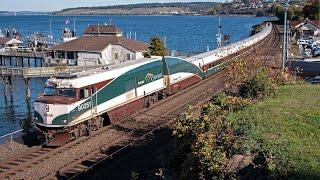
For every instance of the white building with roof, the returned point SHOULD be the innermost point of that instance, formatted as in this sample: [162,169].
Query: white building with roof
[100,45]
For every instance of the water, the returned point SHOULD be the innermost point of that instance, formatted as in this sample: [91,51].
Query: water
[188,34]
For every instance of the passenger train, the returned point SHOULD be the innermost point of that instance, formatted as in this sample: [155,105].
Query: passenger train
[74,105]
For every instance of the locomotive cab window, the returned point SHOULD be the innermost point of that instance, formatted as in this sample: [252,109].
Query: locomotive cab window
[49,91]
[66,92]
[84,93]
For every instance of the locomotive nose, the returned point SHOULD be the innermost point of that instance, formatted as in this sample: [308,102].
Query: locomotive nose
[42,113]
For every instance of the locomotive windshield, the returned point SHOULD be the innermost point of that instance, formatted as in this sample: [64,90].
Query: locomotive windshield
[49,91]
[52,91]
[66,92]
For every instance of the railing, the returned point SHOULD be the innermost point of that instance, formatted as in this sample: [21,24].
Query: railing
[24,54]
[43,71]
[8,138]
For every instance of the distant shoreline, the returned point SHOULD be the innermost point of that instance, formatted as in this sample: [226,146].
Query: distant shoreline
[155,15]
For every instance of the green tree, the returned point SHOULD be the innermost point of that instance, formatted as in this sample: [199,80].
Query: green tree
[279,12]
[156,47]
[311,10]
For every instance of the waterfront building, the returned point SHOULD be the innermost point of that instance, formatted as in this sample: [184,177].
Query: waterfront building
[306,27]
[7,43]
[100,45]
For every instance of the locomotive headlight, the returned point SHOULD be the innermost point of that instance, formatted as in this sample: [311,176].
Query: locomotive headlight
[36,119]
[64,121]
[47,108]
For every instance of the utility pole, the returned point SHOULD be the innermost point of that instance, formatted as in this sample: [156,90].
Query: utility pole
[288,39]
[74,27]
[284,48]
[50,28]
[219,36]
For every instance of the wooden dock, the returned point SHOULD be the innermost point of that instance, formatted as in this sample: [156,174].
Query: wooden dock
[26,73]
[22,59]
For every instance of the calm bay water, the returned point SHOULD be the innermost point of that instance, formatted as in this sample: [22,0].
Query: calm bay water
[188,34]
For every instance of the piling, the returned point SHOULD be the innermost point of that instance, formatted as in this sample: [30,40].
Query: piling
[27,85]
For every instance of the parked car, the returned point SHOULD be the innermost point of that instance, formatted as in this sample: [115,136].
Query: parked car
[304,42]
[307,52]
[315,45]
[316,52]
[314,80]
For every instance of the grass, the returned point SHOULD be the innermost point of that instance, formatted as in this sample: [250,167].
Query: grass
[286,126]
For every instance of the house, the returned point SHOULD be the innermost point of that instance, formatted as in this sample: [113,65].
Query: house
[9,43]
[100,45]
[306,27]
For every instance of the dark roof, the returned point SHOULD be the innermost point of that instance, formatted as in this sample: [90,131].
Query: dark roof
[4,40]
[102,29]
[99,43]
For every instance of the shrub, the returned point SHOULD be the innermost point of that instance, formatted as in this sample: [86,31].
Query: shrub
[206,140]
[230,103]
[257,87]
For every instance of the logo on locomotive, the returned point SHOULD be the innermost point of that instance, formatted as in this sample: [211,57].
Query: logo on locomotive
[151,77]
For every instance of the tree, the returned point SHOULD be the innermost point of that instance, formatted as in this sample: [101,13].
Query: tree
[279,12]
[156,47]
[311,10]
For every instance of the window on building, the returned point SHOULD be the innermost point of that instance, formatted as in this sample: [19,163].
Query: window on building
[128,56]
[116,56]
[84,93]
[60,54]
[70,55]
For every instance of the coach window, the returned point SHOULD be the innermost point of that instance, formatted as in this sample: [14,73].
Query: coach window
[116,56]
[84,93]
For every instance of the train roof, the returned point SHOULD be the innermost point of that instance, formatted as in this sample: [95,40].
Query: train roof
[114,67]
[93,76]
[224,51]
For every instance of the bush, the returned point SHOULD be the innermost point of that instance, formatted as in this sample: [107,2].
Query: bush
[230,103]
[206,140]
[257,87]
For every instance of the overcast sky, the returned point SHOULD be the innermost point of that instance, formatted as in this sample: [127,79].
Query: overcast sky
[53,5]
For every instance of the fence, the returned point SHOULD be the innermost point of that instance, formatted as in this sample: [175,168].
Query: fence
[43,71]
[23,54]
[7,139]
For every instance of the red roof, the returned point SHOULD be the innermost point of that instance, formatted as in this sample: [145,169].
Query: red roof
[99,43]
[102,29]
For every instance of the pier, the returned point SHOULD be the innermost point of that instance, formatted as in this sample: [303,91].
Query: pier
[22,59]
[6,73]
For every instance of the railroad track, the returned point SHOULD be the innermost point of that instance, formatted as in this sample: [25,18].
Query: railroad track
[68,161]
[7,166]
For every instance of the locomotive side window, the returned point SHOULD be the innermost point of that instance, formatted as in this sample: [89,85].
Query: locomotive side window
[84,93]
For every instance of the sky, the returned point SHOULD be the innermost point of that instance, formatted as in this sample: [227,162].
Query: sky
[54,5]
